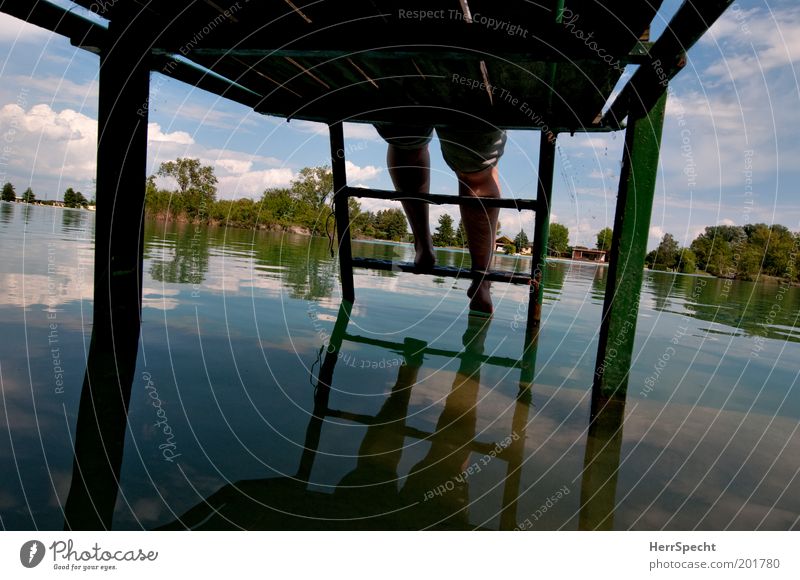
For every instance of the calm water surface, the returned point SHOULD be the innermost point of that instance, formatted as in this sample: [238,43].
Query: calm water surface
[423,425]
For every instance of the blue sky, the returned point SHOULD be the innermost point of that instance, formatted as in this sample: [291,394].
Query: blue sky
[730,151]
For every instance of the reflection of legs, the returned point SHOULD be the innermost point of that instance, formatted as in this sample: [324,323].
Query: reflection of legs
[383,444]
[410,170]
[481,226]
[382,447]
[455,429]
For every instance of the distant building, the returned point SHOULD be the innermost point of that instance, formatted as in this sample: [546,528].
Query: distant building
[588,255]
[526,251]
[501,243]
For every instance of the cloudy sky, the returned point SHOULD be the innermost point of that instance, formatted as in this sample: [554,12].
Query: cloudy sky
[730,151]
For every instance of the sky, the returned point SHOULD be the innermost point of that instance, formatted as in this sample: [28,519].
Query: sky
[730,149]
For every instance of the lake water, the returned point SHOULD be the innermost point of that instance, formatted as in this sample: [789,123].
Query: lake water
[423,425]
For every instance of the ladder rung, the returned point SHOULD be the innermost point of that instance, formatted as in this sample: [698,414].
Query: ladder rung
[518,204]
[444,271]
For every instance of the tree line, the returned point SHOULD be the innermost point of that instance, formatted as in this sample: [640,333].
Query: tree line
[736,252]
[72,198]
[726,251]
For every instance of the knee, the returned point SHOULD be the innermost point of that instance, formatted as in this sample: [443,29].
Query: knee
[480,183]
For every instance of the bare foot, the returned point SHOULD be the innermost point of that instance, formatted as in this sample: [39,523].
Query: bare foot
[480,296]
[426,257]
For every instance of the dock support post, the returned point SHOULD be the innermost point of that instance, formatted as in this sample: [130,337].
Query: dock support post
[322,392]
[121,175]
[541,233]
[342,213]
[637,184]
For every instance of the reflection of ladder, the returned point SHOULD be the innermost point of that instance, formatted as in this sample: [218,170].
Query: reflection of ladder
[541,205]
[512,454]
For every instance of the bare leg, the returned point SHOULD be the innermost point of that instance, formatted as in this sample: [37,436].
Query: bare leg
[481,226]
[411,173]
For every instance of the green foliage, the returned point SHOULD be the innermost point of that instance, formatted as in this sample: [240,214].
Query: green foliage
[521,241]
[747,252]
[390,224]
[74,198]
[604,239]
[666,256]
[461,235]
[687,264]
[509,249]
[28,196]
[444,235]
[558,239]
[197,186]
[8,193]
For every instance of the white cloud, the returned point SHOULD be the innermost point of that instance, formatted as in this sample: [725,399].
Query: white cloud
[755,41]
[156,135]
[363,131]
[365,173]
[14,30]
[234,166]
[253,183]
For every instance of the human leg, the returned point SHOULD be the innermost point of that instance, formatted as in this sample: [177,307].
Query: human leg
[410,170]
[473,153]
[480,224]
[409,164]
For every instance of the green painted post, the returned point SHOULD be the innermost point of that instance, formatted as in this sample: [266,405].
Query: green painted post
[341,211]
[541,233]
[628,248]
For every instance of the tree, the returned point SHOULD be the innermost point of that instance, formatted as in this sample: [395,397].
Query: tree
[687,263]
[444,234]
[8,193]
[197,185]
[74,198]
[28,196]
[521,240]
[559,239]
[604,239]
[391,224]
[666,255]
[509,249]
[461,235]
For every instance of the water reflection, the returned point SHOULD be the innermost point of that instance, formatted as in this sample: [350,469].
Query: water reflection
[764,309]
[372,495]
[6,212]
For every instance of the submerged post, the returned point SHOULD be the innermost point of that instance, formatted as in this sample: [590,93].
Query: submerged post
[341,210]
[121,174]
[541,232]
[637,184]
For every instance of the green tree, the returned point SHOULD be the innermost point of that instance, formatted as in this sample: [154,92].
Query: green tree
[461,235]
[521,240]
[558,239]
[687,263]
[197,185]
[28,196]
[8,193]
[604,239]
[665,256]
[509,249]
[391,224]
[718,249]
[444,235]
[311,190]
[74,198]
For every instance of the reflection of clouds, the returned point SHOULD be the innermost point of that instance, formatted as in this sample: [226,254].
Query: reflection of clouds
[660,465]
[160,299]
[29,289]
